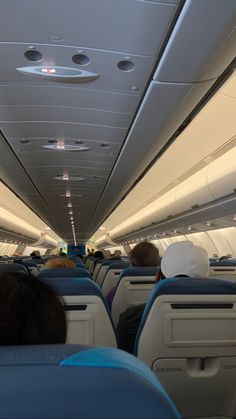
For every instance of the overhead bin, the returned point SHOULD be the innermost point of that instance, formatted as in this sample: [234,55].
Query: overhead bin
[13,224]
[164,108]
[209,193]
[202,43]
[46,242]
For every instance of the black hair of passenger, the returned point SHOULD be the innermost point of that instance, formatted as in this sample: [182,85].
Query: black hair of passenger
[30,311]
[98,254]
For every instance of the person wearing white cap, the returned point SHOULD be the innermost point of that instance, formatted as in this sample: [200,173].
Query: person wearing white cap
[185,259]
[180,259]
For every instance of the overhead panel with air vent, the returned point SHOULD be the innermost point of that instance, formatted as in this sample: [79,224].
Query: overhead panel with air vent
[72,76]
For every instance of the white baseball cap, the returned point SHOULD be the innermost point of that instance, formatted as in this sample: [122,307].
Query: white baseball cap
[185,258]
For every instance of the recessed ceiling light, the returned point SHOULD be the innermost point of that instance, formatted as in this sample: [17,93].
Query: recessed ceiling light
[208,223]
[69,178]
[25,141]
[70,212]
[189,228]
[69,205]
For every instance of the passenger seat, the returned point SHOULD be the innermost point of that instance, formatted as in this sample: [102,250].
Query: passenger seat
[78,382]
[187,336]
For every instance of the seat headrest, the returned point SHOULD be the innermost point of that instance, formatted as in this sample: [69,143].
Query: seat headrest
[13,267]
[64,272]
[74,381]
[118,265]
[73,286]
[139,271]
[224,262]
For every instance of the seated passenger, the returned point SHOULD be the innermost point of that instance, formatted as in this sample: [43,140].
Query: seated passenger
[59,263]
[35,255]
[30,312]
[98,255]
[143,254]
[180,259]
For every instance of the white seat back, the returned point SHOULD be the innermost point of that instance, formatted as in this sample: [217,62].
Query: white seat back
[223,272]
[188,338]
[101,274]
[112,276]
[88,319]
[133,289]
[97,268]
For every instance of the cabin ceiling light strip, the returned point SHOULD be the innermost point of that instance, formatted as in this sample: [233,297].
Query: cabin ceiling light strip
[59,74]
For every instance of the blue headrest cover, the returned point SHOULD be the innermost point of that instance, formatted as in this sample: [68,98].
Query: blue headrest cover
[224,262]
[185,286]
[78,382]
[73,286]
[139,271]
[64,272]
[106,262]
[13,267]
[118,265]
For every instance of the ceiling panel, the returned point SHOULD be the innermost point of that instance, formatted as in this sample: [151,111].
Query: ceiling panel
[60,114]
[107,24]
[102,63]
[62,129]
[69,95]
[119,40]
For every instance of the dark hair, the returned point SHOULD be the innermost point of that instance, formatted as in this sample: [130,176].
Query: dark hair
[30,311]
[144,254]
[98,254]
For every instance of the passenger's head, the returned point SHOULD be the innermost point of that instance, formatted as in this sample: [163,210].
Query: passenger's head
[185,258]
[98,254]
[30,311]
[144,254]
[106,253]
[59,263]
[35,255]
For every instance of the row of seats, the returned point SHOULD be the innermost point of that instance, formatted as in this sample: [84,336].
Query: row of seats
[187,337]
